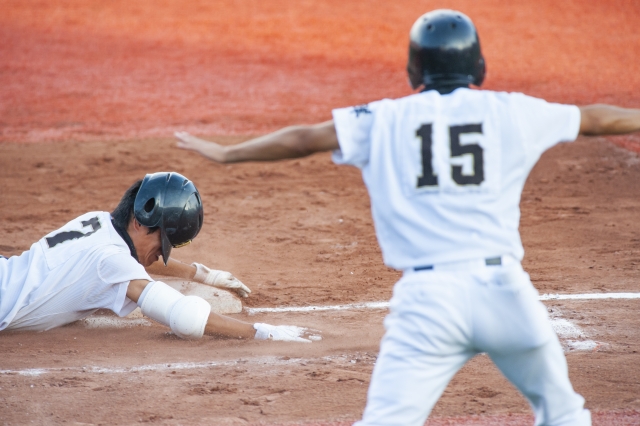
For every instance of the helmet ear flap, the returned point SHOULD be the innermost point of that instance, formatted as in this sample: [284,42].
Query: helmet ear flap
[150,205]
[148,210]
[147,207]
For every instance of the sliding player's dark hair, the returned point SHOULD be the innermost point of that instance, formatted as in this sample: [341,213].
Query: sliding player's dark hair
[123,213]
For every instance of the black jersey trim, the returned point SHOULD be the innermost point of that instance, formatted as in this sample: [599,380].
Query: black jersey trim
[127,239]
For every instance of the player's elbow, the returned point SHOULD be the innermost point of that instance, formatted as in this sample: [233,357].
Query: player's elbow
[224,157]
[592,121]
[302,142]
[590,127]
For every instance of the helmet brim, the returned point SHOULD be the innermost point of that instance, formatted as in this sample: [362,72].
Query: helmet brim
[166,246]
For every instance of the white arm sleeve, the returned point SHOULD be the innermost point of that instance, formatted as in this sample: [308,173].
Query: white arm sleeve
[157,300]
[186,315]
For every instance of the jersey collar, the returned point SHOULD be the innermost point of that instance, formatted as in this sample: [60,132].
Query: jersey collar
[445,89]
[127,239]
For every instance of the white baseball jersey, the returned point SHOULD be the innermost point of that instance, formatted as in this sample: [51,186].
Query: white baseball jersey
[67,275]
[445,172]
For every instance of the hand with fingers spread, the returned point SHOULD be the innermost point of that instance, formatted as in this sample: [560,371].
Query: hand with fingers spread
[285,333]
[220,279]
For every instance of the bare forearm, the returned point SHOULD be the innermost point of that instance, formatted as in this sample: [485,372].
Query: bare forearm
[608,120]
[222,326]
[290,142]
[174,268]
[285,143]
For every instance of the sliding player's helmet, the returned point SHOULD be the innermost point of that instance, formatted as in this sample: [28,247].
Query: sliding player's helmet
[171,202]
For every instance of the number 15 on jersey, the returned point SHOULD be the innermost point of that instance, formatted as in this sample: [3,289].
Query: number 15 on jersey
[455,159]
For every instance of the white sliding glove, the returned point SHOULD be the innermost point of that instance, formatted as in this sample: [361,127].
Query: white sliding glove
[285,333]
[220,279]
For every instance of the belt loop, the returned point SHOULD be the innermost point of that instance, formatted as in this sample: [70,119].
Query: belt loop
[423,268]
[463,264]
[493,261]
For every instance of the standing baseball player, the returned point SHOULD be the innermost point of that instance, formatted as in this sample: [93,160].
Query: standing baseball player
[445,169]
[98,261]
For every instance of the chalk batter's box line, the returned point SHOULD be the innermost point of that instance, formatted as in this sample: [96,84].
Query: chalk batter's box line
[385,305]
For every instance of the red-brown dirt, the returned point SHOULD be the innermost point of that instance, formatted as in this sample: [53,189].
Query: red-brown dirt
[111,70]
[97,88]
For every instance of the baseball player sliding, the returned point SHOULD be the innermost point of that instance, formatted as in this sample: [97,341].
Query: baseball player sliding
[445,169]
[98,261]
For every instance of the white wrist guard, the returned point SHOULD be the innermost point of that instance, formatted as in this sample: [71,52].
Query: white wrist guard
[186,315]
[220,279]
[203,274]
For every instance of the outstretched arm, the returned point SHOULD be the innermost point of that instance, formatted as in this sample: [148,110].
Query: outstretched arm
[608,120]
[163,304]
[200,273]
[217,325]
[174,268]
[290,142]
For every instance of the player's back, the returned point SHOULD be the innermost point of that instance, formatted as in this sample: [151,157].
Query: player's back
[445,172]
[63,276]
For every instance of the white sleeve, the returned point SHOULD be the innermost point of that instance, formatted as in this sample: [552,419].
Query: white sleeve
[118,270]
[353,127]
[545,124]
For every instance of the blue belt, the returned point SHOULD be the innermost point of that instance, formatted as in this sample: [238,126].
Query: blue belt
[490,261]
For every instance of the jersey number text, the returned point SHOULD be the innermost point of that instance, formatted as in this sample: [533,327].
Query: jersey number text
[428,177]
[72,235]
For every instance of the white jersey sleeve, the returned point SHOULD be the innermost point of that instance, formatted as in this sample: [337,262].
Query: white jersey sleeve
[544,124]
[353,127]
[118,270]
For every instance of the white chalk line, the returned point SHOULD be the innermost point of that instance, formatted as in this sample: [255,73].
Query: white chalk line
[573,338]
[385,305]
[368,305]
[114,322]
[564,328]
[174,366]
[590,296]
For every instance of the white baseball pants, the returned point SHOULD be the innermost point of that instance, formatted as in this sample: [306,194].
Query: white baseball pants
[441,318]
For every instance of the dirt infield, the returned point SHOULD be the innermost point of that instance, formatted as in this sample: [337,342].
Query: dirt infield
[296,245]
[89,95]
[81,70]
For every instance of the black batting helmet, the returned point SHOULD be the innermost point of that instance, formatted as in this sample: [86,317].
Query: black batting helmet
[171,202]
[444,50]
